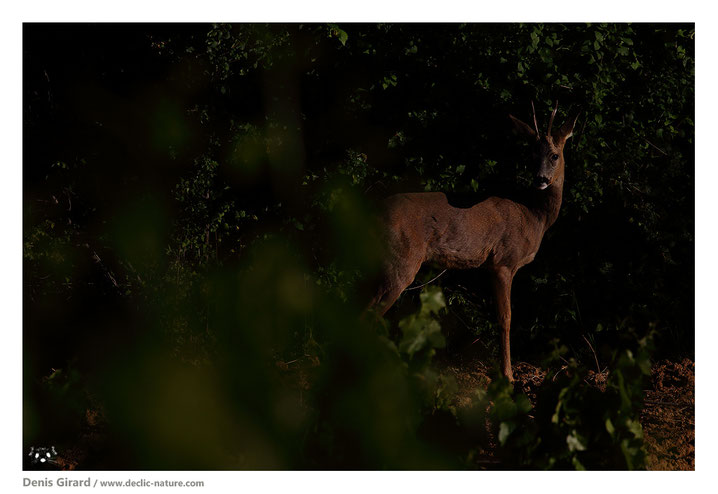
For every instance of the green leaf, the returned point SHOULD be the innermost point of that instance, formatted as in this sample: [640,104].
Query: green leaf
[432,300]
[634,426]
[505,431]
[575,442]
[609,427]
[523,404]
[419,334]
[336,32]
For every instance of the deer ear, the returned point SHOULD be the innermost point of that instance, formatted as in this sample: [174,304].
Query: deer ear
[566,129]
[522,128]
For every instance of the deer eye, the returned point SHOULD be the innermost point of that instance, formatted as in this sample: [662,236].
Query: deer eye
[554,157]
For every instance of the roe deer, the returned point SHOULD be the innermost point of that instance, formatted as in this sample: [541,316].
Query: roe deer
[498,234]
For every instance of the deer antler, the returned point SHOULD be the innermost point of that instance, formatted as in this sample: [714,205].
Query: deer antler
[550,122]
[535,124]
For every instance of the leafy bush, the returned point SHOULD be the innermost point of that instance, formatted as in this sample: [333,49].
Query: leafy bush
[575,424]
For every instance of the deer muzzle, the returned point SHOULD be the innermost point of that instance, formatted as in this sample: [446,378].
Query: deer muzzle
[541,182]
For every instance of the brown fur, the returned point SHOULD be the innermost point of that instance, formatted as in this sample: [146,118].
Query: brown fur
[497,234]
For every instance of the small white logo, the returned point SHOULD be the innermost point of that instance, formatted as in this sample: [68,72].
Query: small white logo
[42,455]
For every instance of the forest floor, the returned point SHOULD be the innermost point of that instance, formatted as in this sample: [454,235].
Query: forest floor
[668,415]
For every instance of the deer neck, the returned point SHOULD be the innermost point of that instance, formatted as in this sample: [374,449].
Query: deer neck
[547,203]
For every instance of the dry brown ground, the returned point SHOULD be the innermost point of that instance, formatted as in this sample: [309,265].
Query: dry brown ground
[668,415]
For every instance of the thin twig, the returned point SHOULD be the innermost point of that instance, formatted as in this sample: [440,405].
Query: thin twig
[97,260]
[656,147]
[479,341]
[598,367]
[431,280]
[563,368]
[372,185]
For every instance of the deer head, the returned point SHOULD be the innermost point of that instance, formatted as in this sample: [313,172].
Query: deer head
[547,155]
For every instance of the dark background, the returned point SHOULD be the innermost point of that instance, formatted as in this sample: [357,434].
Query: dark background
[196,203]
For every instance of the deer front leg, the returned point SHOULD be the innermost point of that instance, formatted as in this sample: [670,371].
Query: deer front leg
[502,279]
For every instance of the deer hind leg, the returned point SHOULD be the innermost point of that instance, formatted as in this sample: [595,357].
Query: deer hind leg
[397,276]
[502,279]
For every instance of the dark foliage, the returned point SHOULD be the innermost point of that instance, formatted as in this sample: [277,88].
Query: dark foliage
[196,206]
